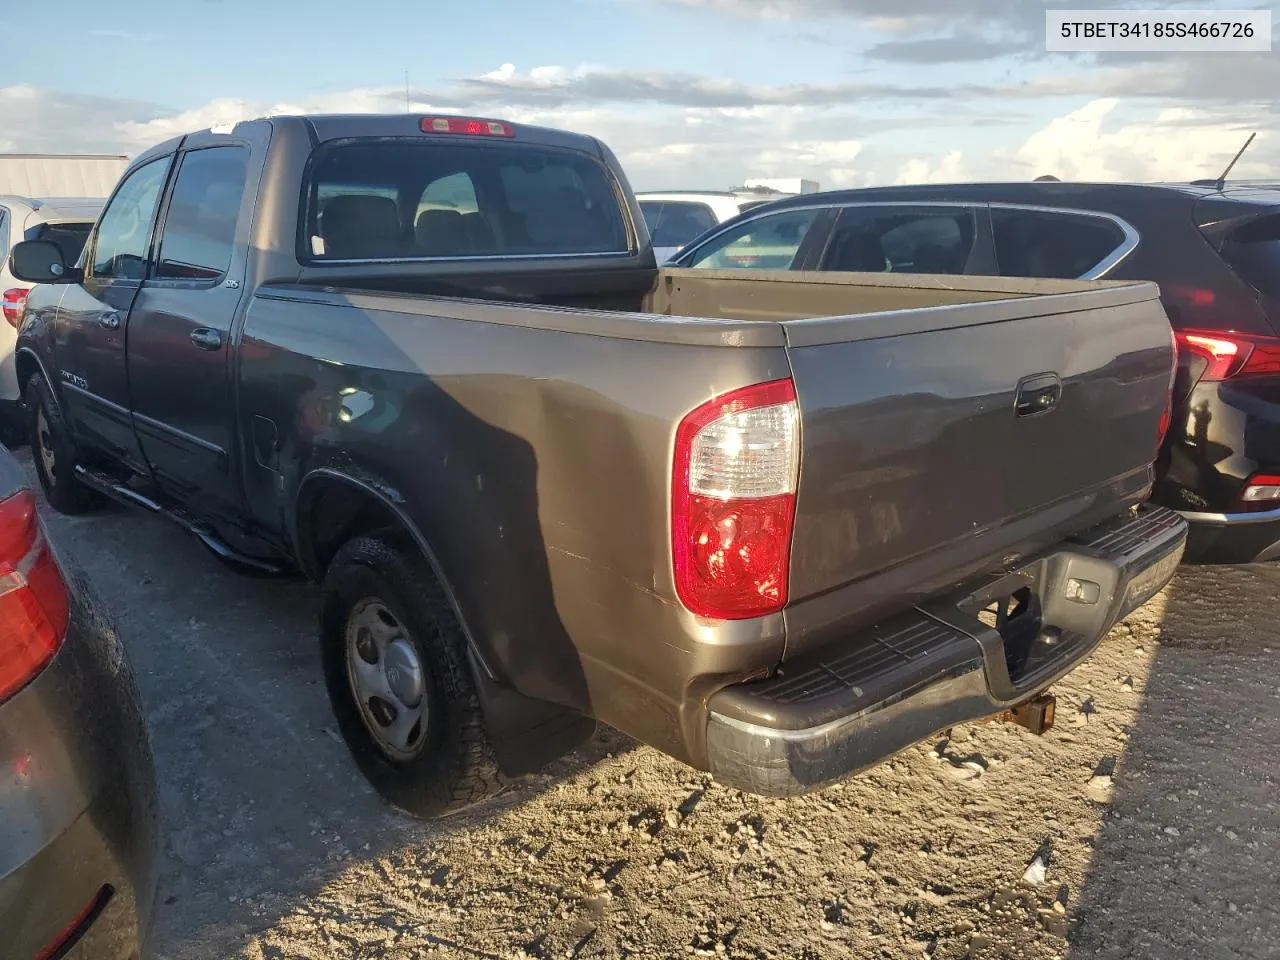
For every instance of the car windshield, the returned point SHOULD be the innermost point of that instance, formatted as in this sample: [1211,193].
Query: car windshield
[406,199]
[675,223]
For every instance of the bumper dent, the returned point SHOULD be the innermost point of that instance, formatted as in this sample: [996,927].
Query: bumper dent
[846,708]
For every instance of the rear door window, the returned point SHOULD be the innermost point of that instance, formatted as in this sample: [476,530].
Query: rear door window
[938,240]
[675,223]
[769,243]
[200,229]
[1052,244]
[406,200]
[1253,252]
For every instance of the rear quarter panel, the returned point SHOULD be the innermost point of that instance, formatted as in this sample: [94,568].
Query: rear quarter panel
[535,463]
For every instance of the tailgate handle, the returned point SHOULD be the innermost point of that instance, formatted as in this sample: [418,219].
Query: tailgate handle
[1037,395]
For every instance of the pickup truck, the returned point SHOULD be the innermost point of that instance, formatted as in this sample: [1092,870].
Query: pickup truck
[778,525]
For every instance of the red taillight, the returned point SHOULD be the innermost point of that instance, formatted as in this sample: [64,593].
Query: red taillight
[466,127]
[1261,492]
[33,596]
[733,488]
[1230,355]
[14,305]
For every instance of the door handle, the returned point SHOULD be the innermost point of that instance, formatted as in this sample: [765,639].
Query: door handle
[206,339]
[1037,395]
[109,319]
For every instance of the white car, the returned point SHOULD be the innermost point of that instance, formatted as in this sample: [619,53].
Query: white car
[66,222]
[677,217]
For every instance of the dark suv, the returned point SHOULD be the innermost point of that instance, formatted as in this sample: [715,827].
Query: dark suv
[1215,254]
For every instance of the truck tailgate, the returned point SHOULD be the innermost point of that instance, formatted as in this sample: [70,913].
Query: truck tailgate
[946,442]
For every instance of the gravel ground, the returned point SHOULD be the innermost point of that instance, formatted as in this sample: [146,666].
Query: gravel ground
[1153,804]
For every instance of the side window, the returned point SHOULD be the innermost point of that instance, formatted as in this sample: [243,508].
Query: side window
[902,240]
[124,230]
[4,237]
[770,243]
[1063,246]
[200,229]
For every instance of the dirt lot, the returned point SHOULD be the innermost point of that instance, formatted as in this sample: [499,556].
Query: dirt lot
[1155,797]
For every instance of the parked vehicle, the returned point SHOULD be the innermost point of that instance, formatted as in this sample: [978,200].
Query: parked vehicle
[66,223]
[675,218]
[78,813]
[751,519]
[1215,254]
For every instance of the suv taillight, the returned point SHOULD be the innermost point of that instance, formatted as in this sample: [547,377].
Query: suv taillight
[33,596]
[1261,492]
[736,465]
[1230,355]
[14,305]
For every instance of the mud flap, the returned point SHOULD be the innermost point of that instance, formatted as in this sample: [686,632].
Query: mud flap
[527,734]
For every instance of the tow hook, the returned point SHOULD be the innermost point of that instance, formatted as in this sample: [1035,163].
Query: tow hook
[1035,714]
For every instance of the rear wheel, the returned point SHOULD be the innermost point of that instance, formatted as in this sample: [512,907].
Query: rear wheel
[399,680]
[53,452]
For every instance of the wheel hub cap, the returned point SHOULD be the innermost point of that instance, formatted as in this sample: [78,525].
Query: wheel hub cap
[45,444]
[388,680]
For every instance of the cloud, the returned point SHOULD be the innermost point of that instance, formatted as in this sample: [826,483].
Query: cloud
[690,131]
[960,48]
[555,86]
[1177,144]
[944,30]
[950,169]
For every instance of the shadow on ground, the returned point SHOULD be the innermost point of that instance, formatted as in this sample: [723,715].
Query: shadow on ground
[262,805]
[1184,864]
[277,848]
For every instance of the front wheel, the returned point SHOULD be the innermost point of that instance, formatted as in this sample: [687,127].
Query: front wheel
[399,681]
[53,452]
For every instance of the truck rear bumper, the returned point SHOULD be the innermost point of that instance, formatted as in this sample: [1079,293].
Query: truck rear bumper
[846,707]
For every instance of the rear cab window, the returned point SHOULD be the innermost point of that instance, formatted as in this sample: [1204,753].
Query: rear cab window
[402,199]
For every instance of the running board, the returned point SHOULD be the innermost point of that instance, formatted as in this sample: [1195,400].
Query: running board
[121,493]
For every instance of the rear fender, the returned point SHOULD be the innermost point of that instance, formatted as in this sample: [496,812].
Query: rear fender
[526,733]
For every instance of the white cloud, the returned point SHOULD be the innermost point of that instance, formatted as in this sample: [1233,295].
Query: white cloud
[1174,144]
[950,168]
[672,146]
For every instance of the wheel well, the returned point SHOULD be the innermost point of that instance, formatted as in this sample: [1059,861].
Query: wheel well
[331,512]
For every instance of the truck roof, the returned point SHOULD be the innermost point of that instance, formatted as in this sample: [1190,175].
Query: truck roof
[338,126]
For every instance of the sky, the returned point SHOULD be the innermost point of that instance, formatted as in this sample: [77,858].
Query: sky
[691,94]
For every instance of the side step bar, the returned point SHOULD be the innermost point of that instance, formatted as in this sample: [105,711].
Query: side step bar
[122,493]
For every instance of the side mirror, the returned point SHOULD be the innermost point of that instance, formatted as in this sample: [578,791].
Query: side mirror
[40,261]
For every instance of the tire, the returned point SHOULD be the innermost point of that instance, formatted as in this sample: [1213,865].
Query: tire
[53,452]
[382,599]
